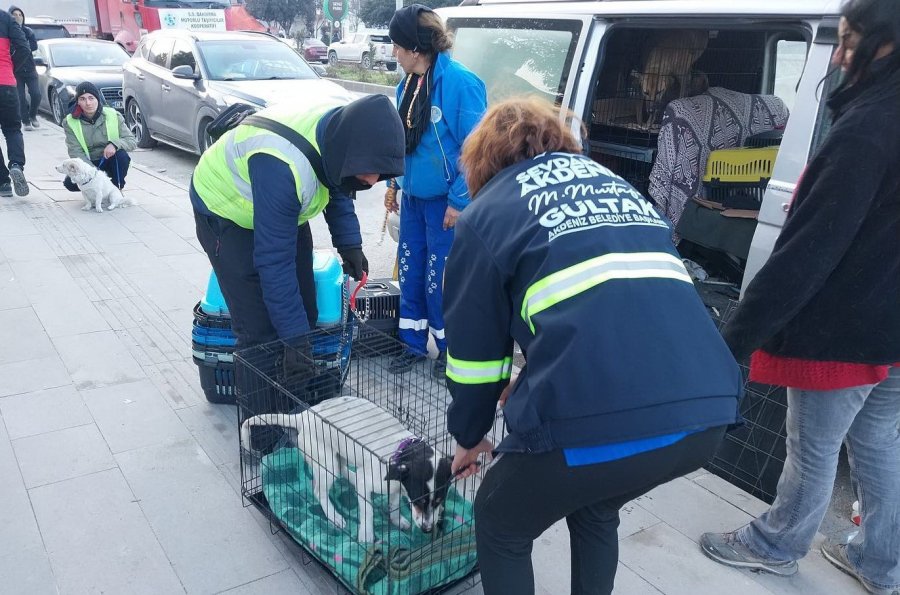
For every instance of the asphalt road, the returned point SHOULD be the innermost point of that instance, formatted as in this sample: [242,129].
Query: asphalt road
[380,251]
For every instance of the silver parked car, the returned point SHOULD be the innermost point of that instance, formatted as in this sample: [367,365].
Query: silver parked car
[178,81]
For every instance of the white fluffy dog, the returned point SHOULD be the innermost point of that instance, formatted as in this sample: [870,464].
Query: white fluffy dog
[95,185]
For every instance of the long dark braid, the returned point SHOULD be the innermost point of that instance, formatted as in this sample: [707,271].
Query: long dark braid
[415,108]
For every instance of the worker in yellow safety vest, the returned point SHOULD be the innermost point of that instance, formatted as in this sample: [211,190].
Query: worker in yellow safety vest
[98,134]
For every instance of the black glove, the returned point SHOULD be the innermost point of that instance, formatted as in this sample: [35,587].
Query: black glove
[298,365]
[355,263]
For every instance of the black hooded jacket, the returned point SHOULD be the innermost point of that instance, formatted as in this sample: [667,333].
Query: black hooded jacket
[831,289]
[12,43]
[348,135]
[23,62]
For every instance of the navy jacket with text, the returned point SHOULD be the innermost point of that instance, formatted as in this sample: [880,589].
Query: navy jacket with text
[565,258]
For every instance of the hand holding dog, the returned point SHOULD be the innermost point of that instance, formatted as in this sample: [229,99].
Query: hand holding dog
[109,151]
[464,460]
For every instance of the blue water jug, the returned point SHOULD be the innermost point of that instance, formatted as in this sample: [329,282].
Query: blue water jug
[213,302]
[329,287]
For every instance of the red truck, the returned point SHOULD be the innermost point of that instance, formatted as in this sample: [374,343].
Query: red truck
[125,21]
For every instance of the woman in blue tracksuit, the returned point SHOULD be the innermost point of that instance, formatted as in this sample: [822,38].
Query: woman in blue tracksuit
[440,102]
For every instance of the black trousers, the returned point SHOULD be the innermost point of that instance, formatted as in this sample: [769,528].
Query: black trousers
[28,111]
[116,168]
[11,126]
[230,251]
[524,494]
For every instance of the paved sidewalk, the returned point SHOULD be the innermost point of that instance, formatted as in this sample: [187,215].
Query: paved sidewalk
[118,477]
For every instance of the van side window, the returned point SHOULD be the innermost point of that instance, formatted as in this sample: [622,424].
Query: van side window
[790,58]
[517,56]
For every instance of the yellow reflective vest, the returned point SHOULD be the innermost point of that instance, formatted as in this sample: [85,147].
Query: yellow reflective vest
[222,178]
[111,117]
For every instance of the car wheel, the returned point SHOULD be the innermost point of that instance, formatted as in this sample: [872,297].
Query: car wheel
[391,66]
[366,62]
[59,111]
[332,58]
[135,120]
[204,140]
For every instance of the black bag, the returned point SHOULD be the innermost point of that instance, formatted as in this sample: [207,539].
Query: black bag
[232,116]
[242,113]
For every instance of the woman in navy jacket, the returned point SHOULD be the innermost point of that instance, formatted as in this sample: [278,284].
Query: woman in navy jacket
[563,257]
[440,102]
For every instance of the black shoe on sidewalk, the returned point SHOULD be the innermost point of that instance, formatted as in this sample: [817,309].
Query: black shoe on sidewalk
[404,362]
[17,177]
[6,190]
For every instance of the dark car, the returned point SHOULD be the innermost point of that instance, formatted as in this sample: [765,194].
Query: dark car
[46,28]
[64,63]
[314,50]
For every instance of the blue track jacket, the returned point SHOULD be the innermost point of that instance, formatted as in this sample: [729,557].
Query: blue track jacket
[458,101]
[565,258]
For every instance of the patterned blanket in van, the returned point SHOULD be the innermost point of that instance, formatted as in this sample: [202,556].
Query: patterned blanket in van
[694,126]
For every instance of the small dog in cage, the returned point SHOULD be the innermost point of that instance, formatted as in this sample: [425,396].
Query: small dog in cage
[666,71]
[414,470]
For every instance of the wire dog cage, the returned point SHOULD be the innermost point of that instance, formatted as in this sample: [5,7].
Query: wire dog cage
[361,480]
[752,455]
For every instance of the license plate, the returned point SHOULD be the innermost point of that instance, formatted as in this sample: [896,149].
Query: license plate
[117,104]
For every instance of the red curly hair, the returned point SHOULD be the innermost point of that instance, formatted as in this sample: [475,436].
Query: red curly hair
[512,131]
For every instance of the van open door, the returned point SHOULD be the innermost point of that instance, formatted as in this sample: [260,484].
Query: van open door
[805,129]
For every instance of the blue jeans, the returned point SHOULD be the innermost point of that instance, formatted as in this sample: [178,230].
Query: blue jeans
[868,419]
[424,246]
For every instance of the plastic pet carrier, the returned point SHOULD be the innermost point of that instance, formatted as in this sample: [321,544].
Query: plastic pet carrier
[327,474]
[212,347]
[213,342]
[752,455]
[378,307]
[737,178]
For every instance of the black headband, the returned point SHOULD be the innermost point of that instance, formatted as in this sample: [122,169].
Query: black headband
[406,32]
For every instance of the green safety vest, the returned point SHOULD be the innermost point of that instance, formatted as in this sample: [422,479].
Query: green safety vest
[112,128]
[222,177]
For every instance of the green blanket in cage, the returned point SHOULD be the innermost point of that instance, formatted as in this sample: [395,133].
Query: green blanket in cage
[401,563]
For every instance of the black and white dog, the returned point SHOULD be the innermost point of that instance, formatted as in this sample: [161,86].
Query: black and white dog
[325,436]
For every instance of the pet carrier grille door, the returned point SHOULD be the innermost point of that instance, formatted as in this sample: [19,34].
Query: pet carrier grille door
[360,480]
[752,456]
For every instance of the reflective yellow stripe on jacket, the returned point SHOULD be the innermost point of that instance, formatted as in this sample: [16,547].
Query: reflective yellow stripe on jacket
[111,119]
[578,278]
[478,372]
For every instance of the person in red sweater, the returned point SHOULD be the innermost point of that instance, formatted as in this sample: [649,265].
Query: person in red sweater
[13,49]
[822,318]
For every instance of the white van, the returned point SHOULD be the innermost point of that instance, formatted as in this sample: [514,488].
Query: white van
[740,74]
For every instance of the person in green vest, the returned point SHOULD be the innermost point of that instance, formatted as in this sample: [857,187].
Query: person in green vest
[98,134]
[254,192]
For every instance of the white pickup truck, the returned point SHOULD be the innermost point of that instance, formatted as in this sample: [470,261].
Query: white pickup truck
[366,48]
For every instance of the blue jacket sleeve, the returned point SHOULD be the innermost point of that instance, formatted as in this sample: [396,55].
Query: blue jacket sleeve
[342,222]
[276,209]
[468,102]
[477,315]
